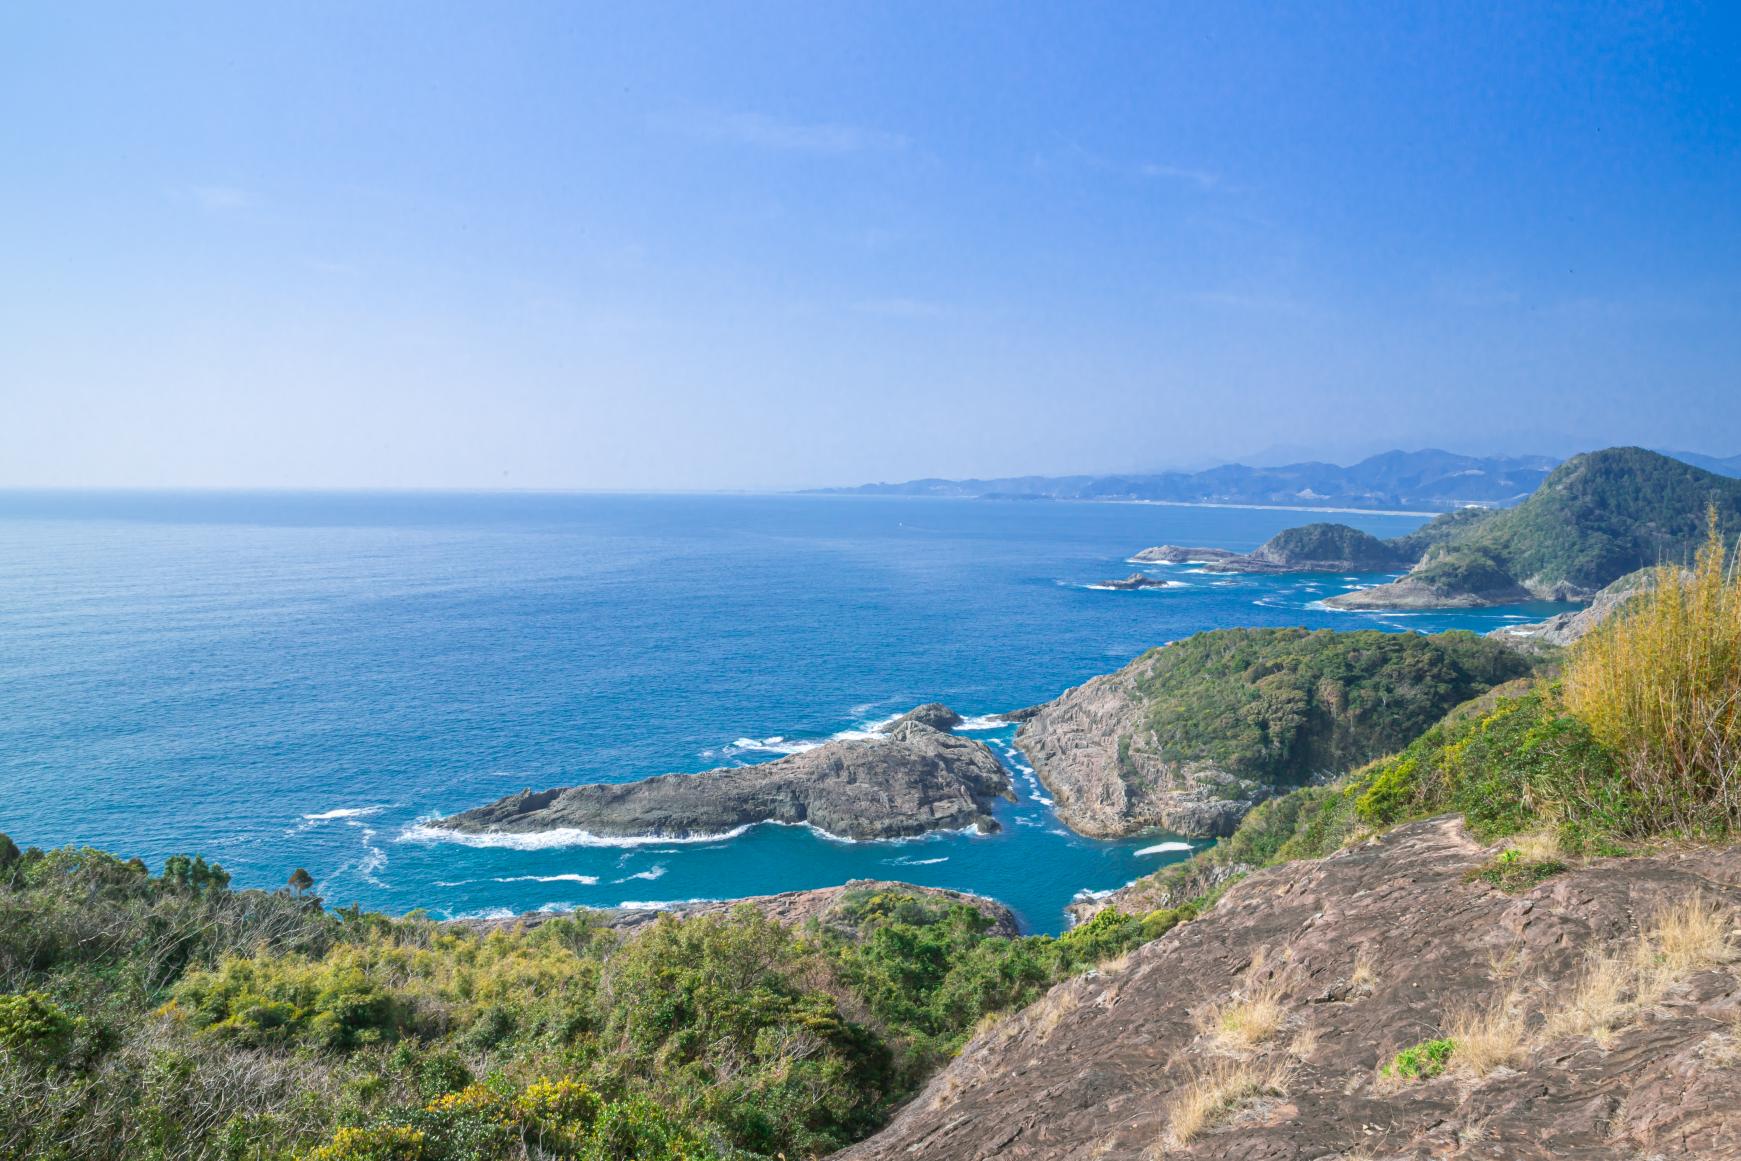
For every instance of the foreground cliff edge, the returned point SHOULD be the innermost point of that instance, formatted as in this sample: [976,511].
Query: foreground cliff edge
[1264,1028]
[910,779]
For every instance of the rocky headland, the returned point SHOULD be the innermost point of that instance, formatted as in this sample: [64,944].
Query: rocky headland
[1188,738]
[1597,518]
[912,779]
[1271,1027]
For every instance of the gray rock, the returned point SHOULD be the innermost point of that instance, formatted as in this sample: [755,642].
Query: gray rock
[933,713]
[909,781]
[1108,773]
[1174,554]
[1138,580]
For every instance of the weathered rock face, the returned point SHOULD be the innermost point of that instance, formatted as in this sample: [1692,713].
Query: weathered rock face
[1566,628]
[794,908]
[1174,554]
[933,713]
[1368,952]
[912,780]
[1094,751]
[1425,591]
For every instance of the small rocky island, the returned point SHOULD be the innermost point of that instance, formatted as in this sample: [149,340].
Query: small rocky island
[1135,581]
[910,779]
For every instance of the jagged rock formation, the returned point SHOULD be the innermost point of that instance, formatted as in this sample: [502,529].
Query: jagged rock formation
[1566,628]
[1363,954]
[1109,776]
[1190,737]
[795,908]
[911,780]
[933,713]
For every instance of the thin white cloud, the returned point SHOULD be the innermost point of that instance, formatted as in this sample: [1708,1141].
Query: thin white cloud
[220,199]
[915,308]
[758,131]
[1201,178]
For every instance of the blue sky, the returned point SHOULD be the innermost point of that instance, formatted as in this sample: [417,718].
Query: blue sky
[768,245]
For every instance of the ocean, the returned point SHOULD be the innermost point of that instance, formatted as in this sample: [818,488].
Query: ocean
[276,680]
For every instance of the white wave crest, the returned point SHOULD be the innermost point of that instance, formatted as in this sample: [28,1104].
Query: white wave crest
[983,722]
[906,862]
[659,904]
[584,880]
[344,812]
[649,875]
[1164,848]
[566,836]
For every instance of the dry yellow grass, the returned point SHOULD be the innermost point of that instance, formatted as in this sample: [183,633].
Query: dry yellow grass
[1051,1011]
[1600,1001]
[1304,1043]
[1660,683]
[1536,847]
[1364,977]
[1684,938]
[1248,1022]
[1691,936]
[1214,1095]
[1488,1037]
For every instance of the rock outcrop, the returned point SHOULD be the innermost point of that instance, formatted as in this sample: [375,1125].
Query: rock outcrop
[1137,580]
[1566,628]
[1173,554]
[933,713]
[1283,1003]
[1190,737]
[909,781]
[1109,775]
[825,905]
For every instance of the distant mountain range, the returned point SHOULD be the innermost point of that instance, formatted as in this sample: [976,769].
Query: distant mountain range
[1429,480]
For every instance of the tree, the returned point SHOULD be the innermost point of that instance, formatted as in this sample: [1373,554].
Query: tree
[300,880]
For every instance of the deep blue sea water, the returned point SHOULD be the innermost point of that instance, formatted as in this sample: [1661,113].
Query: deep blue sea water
[283,680]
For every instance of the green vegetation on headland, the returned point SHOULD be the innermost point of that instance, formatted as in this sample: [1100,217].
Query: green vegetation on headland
[1598,517]
[170,1016]
[1280,705]
[1638,741]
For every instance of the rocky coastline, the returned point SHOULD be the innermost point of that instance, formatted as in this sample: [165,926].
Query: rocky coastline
[909,780]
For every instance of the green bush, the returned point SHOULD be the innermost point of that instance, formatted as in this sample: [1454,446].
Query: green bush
[34,1028]
[1421,1062]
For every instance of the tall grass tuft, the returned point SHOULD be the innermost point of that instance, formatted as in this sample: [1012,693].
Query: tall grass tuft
[1660,684]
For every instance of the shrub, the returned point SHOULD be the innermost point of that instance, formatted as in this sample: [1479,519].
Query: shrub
[34,1028]
[1424,1060]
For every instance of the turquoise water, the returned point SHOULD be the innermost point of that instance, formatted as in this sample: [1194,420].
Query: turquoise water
[283,680]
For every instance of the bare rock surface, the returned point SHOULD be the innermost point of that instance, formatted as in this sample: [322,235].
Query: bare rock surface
[1108,774]
[910,780]
[1175,554]
[1365,953]
[1566,628]
[825,905]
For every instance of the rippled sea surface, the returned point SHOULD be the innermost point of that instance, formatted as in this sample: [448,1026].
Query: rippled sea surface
[283,680]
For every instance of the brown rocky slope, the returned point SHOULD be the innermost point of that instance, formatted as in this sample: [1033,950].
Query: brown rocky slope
[1307,978]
